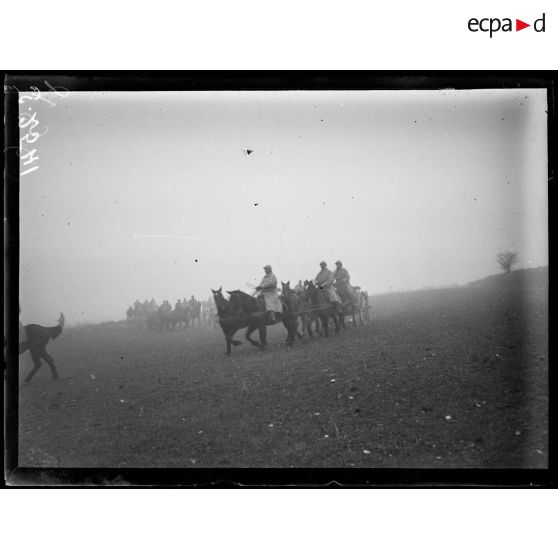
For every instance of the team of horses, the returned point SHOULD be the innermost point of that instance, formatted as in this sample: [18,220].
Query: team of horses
[308,311]
[301,311]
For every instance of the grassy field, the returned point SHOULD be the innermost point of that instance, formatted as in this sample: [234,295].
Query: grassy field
[444,378]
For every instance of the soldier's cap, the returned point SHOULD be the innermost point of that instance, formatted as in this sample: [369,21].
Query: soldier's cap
[338,262]
[267,266]
[322,263]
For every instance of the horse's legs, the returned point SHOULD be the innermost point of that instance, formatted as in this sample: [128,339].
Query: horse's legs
[289,333]
[296,332]
[50,361]
[336,320]
[263,336]
[308,322]
[250,330]
[292,331]
[325,319]
[36,365]
[229,339]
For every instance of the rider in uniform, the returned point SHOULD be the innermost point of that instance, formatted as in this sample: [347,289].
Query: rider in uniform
[268,291]
[342,283]
[324,280]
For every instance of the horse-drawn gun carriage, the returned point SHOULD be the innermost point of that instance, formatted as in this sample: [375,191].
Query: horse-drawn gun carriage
[300,312]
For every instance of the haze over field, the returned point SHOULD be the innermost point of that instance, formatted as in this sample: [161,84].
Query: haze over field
[151,194]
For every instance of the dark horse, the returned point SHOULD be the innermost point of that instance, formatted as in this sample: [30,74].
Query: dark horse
[293,309]
[239,312]
[37,338]
[322,308]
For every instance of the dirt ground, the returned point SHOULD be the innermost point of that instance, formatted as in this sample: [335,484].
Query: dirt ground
[445,378]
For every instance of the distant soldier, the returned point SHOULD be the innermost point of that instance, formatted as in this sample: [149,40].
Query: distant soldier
[195,310]
[299,288]
[324,280]
[130,314]
[268,291]
[342,283]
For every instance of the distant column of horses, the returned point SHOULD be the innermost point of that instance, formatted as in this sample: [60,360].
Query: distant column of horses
[307,311]
[154,317]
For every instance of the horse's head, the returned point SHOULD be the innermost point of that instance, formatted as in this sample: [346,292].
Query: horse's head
[221,302]
[311,292]
[286,287]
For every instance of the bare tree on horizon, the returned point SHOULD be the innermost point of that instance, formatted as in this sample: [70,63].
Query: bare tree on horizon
[506,260]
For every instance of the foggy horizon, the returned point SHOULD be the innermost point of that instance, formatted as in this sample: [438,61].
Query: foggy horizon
[153,195]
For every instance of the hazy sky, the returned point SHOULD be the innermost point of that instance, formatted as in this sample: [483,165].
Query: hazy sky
[149,194]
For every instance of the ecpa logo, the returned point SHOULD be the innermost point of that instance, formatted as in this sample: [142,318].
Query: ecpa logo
[492,25]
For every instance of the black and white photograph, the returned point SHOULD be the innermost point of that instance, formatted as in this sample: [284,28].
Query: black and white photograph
[284,278]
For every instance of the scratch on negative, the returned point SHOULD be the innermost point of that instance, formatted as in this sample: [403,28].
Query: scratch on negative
[137,235]
[335,426]
[176,236]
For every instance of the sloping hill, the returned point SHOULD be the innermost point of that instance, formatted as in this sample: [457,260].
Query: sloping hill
[533,280]
[441,378]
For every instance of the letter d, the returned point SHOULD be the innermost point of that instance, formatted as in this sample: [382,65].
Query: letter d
[535,25]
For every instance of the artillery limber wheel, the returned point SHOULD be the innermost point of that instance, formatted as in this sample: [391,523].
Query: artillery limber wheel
[363,305]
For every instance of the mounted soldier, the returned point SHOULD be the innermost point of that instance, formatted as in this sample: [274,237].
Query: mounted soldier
[267,290]
[343,285]
[324,280]
[194,308]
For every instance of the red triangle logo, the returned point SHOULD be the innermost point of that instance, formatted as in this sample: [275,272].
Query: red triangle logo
[519,25]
